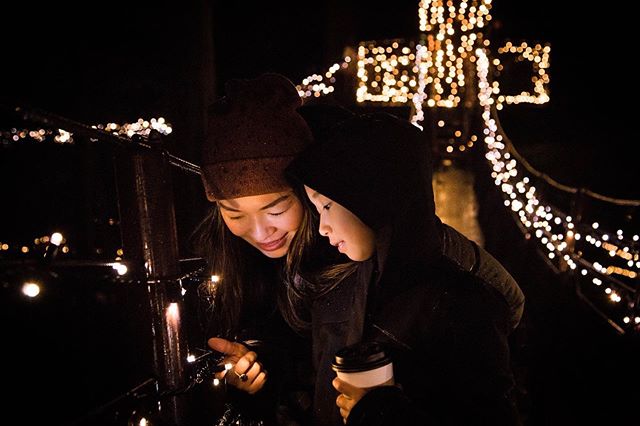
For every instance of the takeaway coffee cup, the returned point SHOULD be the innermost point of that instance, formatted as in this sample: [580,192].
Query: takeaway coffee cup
[364,365]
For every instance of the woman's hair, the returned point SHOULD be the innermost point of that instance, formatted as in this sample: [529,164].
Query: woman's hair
[312,269]
[244,276]
[248,278]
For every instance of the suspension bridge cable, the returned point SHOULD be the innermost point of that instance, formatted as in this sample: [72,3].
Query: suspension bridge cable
[552,182]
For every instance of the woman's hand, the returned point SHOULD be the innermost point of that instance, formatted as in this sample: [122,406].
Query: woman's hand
[349,396]
[246,373]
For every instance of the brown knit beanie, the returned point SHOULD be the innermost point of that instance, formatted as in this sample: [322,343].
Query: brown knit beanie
[253,133]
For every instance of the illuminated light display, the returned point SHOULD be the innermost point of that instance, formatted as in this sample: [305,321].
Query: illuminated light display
[554,229]
[451,56]
[141,127]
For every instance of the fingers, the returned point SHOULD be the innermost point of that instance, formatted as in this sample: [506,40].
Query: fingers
[348,389]
[233,352]
[247,374]
[344,415]
[245,363]
[348,398]
[251,381]
[345,404]
[258,383]
[227,347]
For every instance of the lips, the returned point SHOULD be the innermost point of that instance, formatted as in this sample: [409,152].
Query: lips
[339,245]
[273,245]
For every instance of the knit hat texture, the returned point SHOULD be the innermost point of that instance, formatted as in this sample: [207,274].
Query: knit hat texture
[253,133]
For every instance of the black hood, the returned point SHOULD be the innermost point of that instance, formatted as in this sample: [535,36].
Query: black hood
[379,167]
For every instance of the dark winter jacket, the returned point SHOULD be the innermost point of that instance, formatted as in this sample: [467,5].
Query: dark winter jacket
[443,308]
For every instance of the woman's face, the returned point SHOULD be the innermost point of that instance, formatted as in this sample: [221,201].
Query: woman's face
[343,228]
[268,222]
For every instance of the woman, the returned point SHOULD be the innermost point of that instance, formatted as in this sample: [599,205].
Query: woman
[253,227]
[445,327]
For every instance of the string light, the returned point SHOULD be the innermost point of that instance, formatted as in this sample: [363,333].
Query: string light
[141,127]
[538,55]
[386,72]
[555,230]
[435,71]
[317,85]
[31,289]
[120,268]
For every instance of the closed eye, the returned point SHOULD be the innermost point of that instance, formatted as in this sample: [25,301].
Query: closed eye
[327,206]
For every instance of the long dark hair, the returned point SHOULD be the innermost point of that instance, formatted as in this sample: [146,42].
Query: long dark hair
[248,281]
[232,267]
[312,269]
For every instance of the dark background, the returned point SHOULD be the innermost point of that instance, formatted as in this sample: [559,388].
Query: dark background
[131,59]
[118,61]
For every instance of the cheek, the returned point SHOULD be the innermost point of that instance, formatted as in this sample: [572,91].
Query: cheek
[368,247]
[291,220]
[235,227]
[362,238]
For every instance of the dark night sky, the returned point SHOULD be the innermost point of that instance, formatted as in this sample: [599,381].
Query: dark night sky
[122,61]
[117,53]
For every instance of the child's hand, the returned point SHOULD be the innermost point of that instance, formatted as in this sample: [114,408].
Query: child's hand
[349,396]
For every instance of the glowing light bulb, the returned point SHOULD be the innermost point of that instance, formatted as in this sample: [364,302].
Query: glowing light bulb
[31,289]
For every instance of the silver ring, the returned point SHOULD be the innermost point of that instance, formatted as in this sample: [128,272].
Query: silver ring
[243,377]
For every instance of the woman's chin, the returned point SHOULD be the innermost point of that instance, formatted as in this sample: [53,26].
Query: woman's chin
[275,254]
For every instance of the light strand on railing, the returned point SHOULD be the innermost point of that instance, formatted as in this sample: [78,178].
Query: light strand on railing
[141,127]
[554,230]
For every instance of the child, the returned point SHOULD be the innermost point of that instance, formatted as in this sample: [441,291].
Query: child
[445,327]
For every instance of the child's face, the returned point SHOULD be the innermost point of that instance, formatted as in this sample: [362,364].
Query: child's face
[268,222]
[343,228]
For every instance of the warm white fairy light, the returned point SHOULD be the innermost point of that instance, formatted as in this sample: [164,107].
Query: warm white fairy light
[212,283]
[449,36]
[554,230]
[141,127]
[317,85]
[15,135]
[386,72]
[37,245]
[31,289]
[434,71]
[120,268]
[538,55]
[56,238]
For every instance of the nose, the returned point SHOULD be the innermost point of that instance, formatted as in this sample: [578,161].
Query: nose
[262,229]
[323,227]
